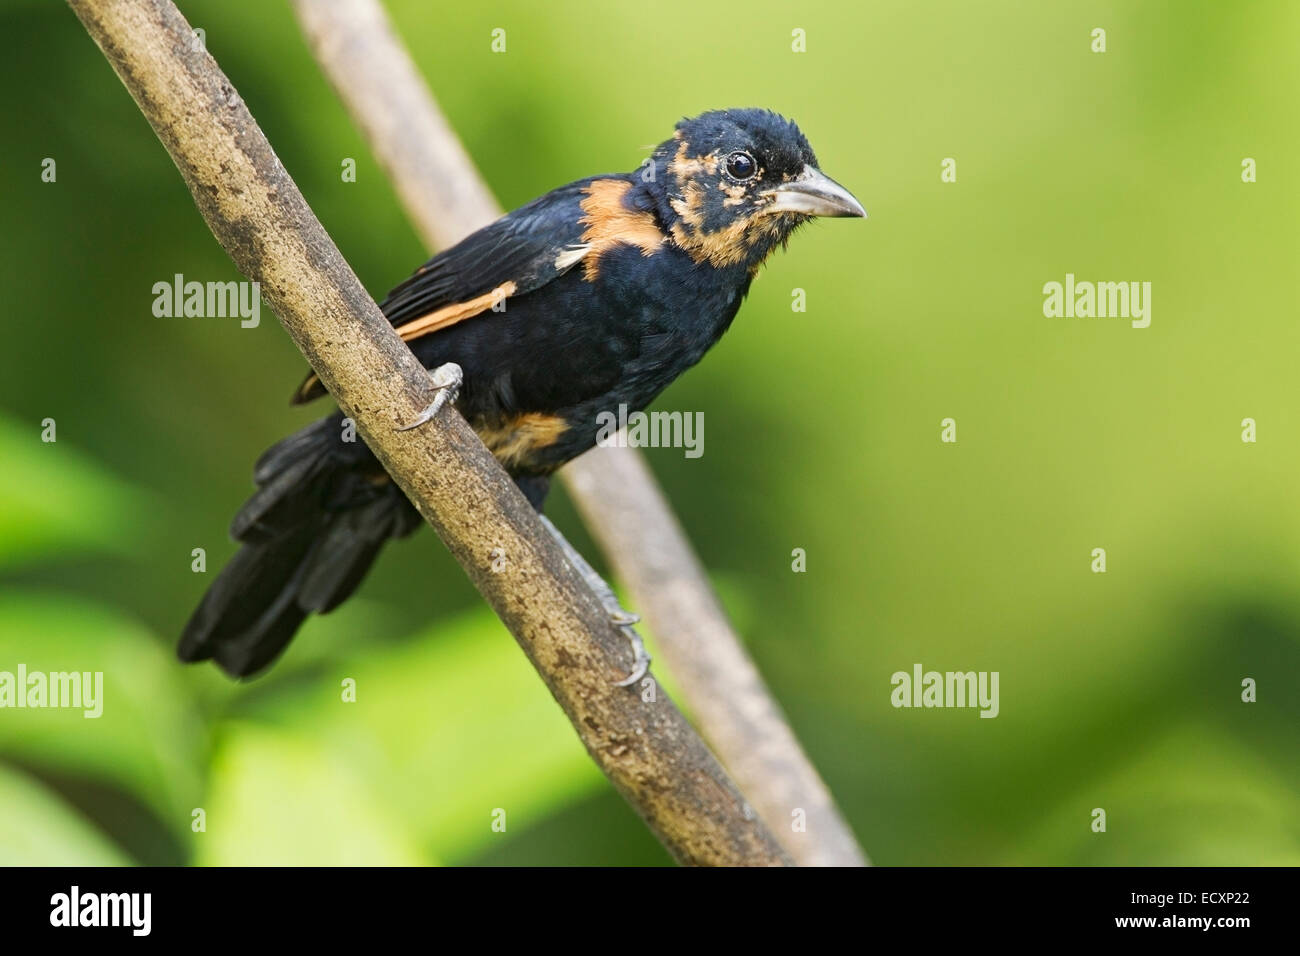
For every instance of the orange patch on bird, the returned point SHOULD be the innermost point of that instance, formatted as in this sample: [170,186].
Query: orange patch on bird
[309,389]
[513,440]
[728,246]
[456,312]
[437,319]
[684,166]
[690,206]
[735,193]
[723,247]
[608,222]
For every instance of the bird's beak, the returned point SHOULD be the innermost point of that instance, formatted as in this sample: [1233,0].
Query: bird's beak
[813,193]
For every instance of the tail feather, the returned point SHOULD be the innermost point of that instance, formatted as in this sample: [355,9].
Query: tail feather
[247,652]
[293,449]
[322,512]
[281,474]
[343,555]
[250,584]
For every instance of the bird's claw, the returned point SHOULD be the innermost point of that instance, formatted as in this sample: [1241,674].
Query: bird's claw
[641,657]
[447,380]
[625,619]
[609,601]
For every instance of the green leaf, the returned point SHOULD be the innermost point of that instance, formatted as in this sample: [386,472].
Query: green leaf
[54,500]
[280,798]
[1193,797]
[447,730]
[38,829]
[147,739]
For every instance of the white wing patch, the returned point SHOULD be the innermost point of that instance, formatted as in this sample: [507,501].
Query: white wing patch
[571,256]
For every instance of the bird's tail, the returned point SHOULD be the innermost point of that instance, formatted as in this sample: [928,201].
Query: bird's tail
[322,510]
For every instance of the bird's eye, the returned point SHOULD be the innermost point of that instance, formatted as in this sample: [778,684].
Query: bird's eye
[741,166]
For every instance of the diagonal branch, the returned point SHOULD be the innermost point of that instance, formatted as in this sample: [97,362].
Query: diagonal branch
[252,206]
[612,487]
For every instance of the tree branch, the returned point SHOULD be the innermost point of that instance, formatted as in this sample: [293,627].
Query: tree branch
[255,210]
[614,490]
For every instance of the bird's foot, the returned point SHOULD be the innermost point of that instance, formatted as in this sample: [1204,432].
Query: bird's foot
[621,617]
[447,380]
[640,656]
[609,601]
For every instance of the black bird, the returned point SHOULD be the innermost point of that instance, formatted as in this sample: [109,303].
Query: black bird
[598,294]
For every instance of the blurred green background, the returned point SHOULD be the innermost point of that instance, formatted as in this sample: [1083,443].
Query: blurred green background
[1118,690]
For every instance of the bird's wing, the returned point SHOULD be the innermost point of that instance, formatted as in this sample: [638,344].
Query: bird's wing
[517,254]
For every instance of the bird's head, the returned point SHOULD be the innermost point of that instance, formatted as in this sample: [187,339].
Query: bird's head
[733,184]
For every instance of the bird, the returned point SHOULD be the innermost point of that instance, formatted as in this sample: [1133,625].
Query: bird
[598,294]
